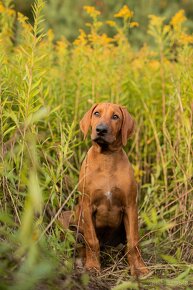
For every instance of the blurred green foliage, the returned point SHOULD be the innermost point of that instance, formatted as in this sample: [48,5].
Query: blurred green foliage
[45,88]
[66,17]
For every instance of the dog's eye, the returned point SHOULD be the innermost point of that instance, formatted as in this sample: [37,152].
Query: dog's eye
[115,117]
[96,114]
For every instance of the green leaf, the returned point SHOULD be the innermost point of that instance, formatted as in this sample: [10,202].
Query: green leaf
[169,259]
[126,285]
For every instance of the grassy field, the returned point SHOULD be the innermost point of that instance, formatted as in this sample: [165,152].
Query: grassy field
[45,88]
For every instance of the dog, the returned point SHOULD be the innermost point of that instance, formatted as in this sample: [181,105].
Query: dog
[106,213]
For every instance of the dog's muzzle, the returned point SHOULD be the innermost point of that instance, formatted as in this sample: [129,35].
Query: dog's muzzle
[101,130]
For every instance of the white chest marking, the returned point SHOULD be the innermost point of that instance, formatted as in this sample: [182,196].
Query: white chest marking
[109,195]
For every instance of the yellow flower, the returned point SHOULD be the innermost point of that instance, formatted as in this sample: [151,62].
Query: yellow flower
[91,10]
[104,39]
[111,23]
[178,18]
[21,18]
[93,37]
[138,173]
[50,35]
[156,20]
[134,24]
[8,11]
[167,28]
[124,12]
[185,38]
[137,64]
[100,39]
[154,64]
[98,24]
[81,40]
[2,8]
[61,45]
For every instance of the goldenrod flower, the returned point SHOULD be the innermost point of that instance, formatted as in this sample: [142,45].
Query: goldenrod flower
[21,18]
[98,24]
[111,23]
[93,37]
[138,173]
[81,40]
[156,20]
[137,64]
[104,39]
[91,10]
[185,38]
[167,28]
[178,18]
[8,11]
[100,39]
[124,12]
[50,35]
[2,8]
[154,64]
[134,24]
[88,24]
[61,45]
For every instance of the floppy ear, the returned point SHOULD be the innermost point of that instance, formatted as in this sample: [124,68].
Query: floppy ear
[127,125]
[86,120]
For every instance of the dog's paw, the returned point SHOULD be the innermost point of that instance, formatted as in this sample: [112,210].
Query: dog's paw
[139,269]
[92,266]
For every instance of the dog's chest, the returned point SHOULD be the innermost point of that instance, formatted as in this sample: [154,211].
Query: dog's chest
[107,180]
[107,208]
[109,196]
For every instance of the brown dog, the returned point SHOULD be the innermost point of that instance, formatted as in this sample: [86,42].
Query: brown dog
[107,210]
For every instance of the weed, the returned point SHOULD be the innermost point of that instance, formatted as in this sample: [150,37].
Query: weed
[45,88]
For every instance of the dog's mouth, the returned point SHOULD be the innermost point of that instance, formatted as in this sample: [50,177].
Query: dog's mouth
[100,140]
[103,140]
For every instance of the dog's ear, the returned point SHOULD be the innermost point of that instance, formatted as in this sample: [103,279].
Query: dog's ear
[127,127]
[86,120]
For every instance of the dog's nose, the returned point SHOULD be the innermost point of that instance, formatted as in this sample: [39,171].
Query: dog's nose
[101,129]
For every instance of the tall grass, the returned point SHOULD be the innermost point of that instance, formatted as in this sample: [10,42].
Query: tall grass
[45,87]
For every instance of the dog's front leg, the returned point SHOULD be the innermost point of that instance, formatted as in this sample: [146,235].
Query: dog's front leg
[91,240]
[133,253]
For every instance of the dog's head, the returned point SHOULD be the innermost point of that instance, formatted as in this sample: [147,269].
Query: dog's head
[110,123]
